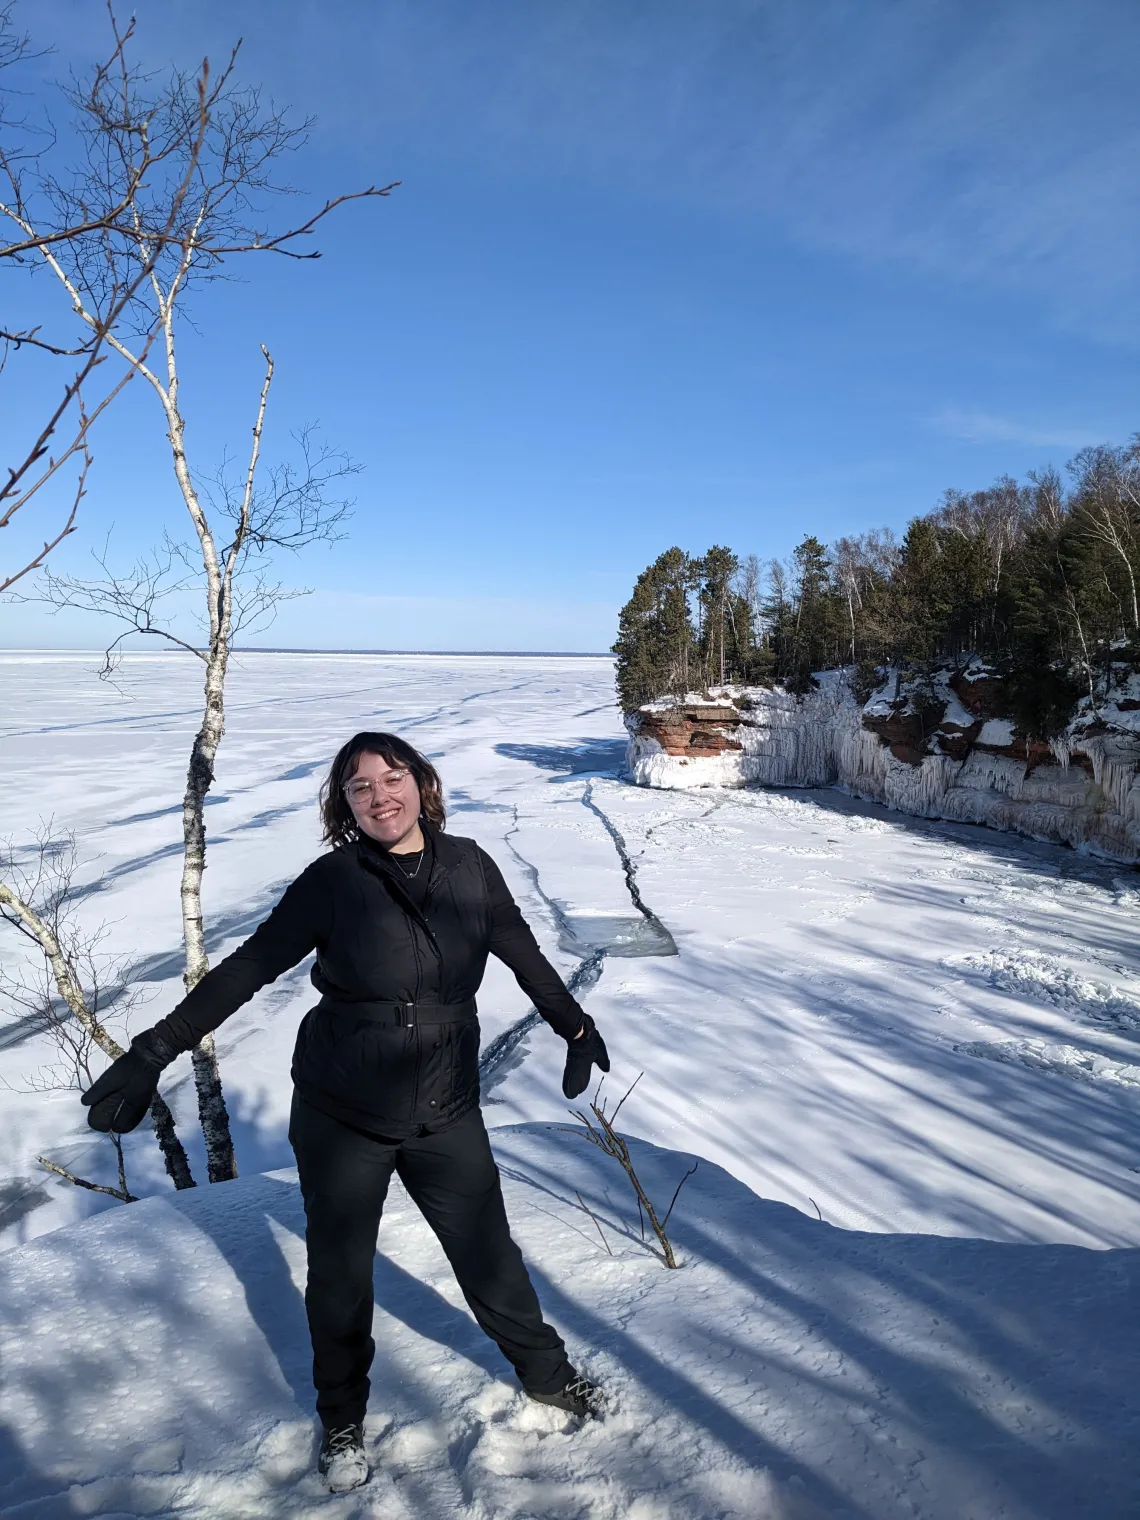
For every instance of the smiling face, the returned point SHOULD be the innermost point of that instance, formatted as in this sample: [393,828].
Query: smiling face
[385,803]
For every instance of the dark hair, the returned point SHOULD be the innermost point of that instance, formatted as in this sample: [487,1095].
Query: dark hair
[339,826]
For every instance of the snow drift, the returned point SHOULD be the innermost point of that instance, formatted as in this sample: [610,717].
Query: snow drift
[157,1363]
[940,752]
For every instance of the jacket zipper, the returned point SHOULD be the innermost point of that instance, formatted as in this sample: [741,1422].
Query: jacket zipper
[412,928]
[413,921]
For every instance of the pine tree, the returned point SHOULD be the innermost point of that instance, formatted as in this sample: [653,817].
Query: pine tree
[716,569]
[920,603]
[1041,583]
[812,632]
[655,639]
[635,647]
[1041,688]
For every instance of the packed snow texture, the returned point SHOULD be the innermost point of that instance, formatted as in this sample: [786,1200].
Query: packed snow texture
[820,740]
[923,1032]
[877,1375]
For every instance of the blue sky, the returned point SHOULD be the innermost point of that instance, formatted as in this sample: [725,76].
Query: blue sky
[657,273]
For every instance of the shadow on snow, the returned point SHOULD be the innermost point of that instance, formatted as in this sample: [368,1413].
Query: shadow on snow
[847,1360]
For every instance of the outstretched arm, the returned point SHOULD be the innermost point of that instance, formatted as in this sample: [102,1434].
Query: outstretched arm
[298,924]
[513,942]
[121,1096]
[515,945]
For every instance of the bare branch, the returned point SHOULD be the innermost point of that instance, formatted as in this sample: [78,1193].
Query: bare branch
[594,1217]
[28,339]
[134,598]
[120,293]
[256,601]
[676,1194]
[69,523]
[95,1187]
[260,243]
[12,907]
[15,48]
[607,1139]
[39,900]
[625,1095]
[245,508]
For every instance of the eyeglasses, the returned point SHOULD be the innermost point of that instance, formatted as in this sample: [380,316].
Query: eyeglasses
[360,788]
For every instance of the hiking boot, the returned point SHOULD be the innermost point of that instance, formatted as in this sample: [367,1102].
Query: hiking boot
[342,1463]
[578,1396]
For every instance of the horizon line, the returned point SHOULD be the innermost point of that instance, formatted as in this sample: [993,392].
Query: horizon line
[526,654]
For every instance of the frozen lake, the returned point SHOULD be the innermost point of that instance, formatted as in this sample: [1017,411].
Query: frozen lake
[921,1037]
[912,1026]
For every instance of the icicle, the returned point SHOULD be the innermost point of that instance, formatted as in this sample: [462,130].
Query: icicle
[820,740]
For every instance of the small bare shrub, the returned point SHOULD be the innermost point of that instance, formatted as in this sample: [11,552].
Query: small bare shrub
[600,1131]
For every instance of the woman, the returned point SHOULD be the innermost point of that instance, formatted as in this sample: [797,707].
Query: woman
[385,1071]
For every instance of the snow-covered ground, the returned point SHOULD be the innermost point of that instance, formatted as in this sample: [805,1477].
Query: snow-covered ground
[924,1033]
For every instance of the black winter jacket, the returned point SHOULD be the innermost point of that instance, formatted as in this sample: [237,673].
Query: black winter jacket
[375,947]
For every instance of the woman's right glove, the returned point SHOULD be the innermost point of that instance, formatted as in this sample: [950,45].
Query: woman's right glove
[585,1050]
[120,1098]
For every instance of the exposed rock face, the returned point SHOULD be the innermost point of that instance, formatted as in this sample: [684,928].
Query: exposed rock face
[940,751]
[905,731]
[694,729]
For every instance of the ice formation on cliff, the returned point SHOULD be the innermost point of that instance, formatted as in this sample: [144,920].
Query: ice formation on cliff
[1084,792]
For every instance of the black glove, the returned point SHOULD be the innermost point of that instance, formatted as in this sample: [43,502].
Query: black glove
[120,1098]
[588,1049]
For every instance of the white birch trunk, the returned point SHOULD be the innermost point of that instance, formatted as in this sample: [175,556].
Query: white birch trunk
[1132,587]
[220,1159]
[221,1162]
[1109,532]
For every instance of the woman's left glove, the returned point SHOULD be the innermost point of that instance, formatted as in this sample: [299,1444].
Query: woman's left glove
[586,1050]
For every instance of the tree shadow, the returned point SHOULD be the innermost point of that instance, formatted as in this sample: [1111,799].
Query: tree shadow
[892,1375]
[901,1096]
[596,757]
[24,1488]
[1005,1370]
[418,1306]
[239,922]
[19,1197]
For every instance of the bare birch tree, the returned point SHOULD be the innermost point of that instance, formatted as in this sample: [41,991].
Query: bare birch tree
[68,999]
[845,554]
[233,168]
[747,587]
[43,219]
[1108,505]
[863,563]
[237,526]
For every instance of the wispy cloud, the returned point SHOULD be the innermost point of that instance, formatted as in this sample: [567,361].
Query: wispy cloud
[976,426]
[978,142]
[973,141]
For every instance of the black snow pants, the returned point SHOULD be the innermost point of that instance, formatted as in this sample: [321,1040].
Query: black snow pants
[452,1178]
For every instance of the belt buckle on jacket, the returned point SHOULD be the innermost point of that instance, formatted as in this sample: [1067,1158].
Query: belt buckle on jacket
[406,1014]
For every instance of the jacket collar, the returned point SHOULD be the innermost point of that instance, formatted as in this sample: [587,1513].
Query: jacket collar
[372,858]
[445,854]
